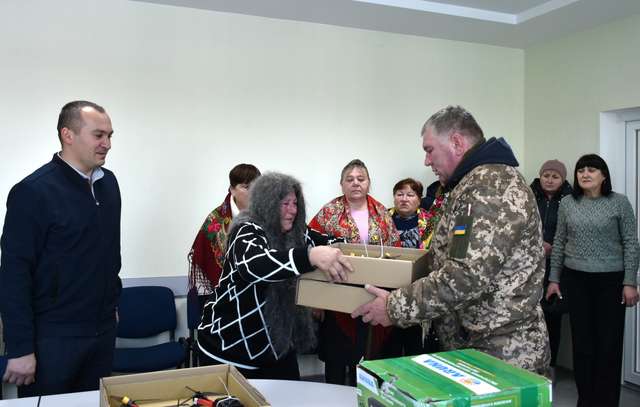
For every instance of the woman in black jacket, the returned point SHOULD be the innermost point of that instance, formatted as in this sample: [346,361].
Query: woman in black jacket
[251,320]
[549,189]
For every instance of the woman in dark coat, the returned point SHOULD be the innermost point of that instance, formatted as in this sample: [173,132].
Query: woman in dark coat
[549,189]
[251,320]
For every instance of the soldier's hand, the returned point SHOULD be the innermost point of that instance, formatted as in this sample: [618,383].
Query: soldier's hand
[553,289]
[630,295]
[374,311]
[21,371]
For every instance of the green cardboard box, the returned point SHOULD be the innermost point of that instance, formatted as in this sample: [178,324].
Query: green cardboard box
[457,378]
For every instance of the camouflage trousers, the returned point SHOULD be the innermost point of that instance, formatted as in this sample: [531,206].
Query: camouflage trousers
[526,347]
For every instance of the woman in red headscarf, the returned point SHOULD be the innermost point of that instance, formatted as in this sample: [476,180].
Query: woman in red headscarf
[207,253]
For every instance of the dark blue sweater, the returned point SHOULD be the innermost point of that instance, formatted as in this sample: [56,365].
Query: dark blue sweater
[60,257]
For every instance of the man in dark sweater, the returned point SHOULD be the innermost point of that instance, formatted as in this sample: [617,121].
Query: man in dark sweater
[59,284]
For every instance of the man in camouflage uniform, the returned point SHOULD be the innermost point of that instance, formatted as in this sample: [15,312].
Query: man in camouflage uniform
[486,257]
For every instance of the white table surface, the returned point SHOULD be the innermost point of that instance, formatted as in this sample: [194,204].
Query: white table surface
[279,393]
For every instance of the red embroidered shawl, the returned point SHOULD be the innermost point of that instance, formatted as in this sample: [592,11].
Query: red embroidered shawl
[334,219]
[207,253]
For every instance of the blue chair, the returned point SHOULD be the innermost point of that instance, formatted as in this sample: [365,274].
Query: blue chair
[195,303]
[146,312]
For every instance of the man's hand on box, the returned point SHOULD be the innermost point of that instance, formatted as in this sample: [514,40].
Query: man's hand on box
[375,311]
[332,262]
[21,371]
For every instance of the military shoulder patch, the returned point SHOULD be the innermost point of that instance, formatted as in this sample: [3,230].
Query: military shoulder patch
[460,239]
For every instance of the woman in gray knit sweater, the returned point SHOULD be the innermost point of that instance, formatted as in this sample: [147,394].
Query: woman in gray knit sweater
[596,247]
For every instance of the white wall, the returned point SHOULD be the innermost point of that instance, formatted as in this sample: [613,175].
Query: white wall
[192,93]
[569,82]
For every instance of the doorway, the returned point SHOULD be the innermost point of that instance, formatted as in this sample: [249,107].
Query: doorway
[620,147]
[631,373]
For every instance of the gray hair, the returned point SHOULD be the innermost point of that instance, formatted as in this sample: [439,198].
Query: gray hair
[265,195]
[289,325]
[355,163]
[454,119]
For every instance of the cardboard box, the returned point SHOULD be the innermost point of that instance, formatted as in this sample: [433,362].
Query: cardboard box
[335,297]
[398,267]
[389,267]
[171,385]
[457,378]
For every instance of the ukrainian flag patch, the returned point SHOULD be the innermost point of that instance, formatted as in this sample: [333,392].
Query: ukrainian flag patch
[460,240]
[460,230]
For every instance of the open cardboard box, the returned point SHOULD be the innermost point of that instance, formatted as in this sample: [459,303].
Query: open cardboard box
[398,267]
[389,267]
[171,385]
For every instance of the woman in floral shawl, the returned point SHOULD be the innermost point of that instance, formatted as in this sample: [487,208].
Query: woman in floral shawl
[358,218]
[415,224]
[207,253]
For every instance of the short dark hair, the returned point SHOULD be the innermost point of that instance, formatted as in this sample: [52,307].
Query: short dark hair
[71,117]
[593,161]
[454,118]
[355,163]
[416,186]
[243,174]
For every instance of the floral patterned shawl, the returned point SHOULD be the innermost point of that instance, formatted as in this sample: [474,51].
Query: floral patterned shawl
[427,220]
[334,219]
[431,219]
[207,253]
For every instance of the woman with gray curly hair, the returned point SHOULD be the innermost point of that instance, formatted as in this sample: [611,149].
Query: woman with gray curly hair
[251,320]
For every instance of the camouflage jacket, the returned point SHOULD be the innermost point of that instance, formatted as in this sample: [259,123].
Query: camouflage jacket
[487,264]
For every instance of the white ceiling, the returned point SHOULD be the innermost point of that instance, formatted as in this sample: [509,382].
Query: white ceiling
[509,23]
[503,6]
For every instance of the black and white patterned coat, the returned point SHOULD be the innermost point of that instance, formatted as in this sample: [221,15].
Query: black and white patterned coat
[234,327]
